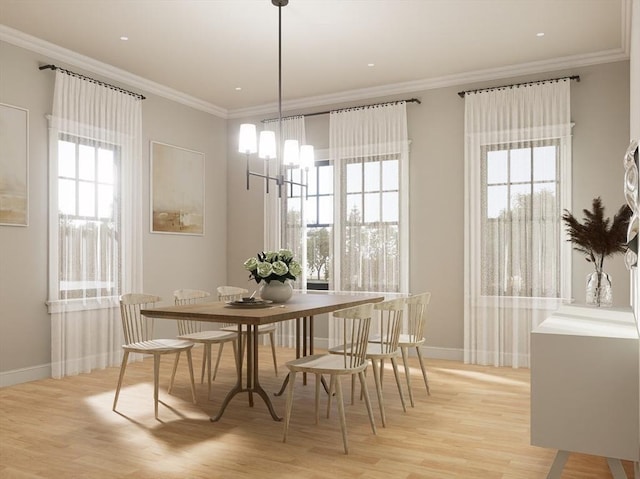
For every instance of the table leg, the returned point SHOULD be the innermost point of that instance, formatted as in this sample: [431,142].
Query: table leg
[238,386]
[615,466]
[558,464]
[253,381]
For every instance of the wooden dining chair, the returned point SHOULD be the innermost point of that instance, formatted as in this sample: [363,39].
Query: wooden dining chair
[415,338]
[138,335]
[383,346]
[350,362]
[192,331]
[234,293]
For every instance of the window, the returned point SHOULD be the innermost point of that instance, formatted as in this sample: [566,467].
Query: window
[88,219]
[370,214]
[521,219]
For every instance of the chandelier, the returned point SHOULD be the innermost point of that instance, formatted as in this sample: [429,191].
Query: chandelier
[287,154]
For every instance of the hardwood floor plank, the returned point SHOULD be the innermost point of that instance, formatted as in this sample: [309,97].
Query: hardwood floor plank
[475,424]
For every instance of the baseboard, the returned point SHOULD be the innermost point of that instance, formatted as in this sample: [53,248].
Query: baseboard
[24,375]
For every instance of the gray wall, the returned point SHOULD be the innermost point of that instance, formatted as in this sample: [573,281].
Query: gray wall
[600,110]
[170,261]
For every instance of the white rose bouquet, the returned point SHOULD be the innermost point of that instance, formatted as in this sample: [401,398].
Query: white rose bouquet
[273,265]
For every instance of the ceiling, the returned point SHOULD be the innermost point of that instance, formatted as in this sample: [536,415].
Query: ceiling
[203,50]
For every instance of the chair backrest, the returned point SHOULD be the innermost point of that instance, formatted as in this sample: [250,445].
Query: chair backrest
[417,315]
[391,312]
[231,293]
[356,322]
[189,296]
[137,328]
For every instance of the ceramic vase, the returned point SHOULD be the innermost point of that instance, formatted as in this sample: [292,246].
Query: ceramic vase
[277,291]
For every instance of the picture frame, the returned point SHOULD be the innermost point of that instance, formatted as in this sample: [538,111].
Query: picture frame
[177,190]
[14,165]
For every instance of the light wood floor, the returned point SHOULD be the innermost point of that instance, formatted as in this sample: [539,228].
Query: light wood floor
[474,425]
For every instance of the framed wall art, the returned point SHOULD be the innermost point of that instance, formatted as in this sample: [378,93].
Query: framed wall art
[14,165]
[177,190]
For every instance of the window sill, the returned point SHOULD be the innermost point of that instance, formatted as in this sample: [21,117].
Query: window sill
[69,305]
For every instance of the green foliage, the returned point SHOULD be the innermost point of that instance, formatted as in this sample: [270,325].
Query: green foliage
[597,237]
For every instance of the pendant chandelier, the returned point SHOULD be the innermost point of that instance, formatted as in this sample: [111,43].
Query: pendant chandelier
[287,154]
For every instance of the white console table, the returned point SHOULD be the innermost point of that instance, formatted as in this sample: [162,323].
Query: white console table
[585,385]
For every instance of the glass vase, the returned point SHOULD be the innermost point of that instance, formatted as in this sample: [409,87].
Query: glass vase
[599,291]
[277,291]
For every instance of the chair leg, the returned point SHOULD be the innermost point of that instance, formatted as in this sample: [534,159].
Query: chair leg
[204,362]
[207,355]
[156,380]
[394,363]
[424,371]
[376,377]
[343,421]
[193,383]
[407,374]
[123,366]
[317,405]
[215,370]
[289,405]
[272,339]
[332,387]
[173,373]
[367,400]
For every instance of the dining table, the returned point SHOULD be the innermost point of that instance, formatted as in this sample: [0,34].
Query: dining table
[302,307]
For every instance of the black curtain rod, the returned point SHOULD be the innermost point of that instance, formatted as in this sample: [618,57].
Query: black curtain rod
[92,80]
[410,100]
[461,94]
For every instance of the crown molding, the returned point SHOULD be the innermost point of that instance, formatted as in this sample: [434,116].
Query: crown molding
[52,51]
[413,87]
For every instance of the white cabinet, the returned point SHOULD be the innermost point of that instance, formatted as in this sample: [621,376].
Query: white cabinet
[585,385]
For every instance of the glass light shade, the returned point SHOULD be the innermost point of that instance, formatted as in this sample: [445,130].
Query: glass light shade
[291,153]
[267,147]
[247,142]
[306,156]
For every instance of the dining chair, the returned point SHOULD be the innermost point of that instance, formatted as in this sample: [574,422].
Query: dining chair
[383,346]
[351,361]
[138,335]
[234,293]
[192,331]
[415,338]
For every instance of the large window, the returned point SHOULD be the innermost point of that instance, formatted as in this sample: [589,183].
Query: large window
[521,220]
[368,195]
[88,219]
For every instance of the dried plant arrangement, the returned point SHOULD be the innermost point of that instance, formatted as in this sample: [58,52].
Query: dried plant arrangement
[598,237]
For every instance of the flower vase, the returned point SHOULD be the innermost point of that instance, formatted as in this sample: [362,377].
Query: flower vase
[277,291]
[599,292]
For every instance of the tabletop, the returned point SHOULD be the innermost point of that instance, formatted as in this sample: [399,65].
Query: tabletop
[300,305]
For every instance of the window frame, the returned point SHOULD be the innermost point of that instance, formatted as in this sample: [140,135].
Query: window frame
[56,303]
[564,169]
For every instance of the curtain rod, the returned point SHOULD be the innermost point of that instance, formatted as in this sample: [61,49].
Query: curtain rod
[410,100]
[461,94]
[92,80]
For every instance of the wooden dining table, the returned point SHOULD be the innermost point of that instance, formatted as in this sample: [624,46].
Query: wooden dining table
[301,307]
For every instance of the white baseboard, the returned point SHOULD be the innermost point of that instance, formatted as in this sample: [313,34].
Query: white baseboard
[24,375]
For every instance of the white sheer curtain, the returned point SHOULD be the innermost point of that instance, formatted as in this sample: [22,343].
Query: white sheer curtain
[370,150]
[284,225]
[517,182]
[95,236]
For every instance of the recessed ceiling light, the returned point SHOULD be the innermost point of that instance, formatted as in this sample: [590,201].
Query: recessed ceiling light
[124,38]
[540,34]
[371,64]
[238,88]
